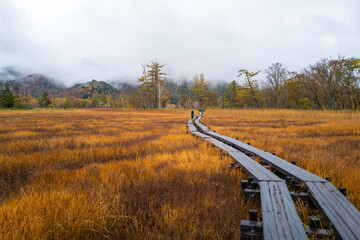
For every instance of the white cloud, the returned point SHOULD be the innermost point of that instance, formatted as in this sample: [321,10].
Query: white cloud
[78,40]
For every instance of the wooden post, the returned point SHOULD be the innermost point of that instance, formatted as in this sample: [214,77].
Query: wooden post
[343,190]
[253,215]
[314,222]
[288,180]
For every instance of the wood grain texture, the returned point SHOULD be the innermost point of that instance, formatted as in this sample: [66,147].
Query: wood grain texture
[280,219]
[344,216]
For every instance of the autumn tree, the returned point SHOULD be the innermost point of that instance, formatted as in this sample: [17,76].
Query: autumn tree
[251,84]
[152,83]
[231,92]
[158,80]
[184,95]
[276,76]
[67,103]
[147,89]
[220,90]
[122,98]
[200,89]
[334,83]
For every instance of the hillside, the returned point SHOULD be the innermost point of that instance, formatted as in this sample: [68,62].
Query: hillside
[35,85]
[89,89]
[9,73]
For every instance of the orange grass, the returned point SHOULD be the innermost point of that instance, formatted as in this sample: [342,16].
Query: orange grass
[326,143]
[104,174]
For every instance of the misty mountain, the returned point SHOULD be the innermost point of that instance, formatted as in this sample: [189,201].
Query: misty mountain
[35,85]
[89,89]
[9,73]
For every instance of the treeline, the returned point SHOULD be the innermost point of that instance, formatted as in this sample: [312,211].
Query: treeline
[327,84]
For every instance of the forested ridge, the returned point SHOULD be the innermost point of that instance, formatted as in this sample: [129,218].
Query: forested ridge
[326,84]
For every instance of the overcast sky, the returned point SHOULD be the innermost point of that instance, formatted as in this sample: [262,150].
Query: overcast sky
[79,40]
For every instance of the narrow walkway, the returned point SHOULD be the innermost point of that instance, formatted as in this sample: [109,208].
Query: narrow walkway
[279,217]
[336,208]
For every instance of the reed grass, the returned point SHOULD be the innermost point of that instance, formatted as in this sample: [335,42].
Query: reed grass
[326,143]
[104,174]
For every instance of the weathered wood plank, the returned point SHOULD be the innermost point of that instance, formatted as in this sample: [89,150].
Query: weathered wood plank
[344,216]
[280,219]
[276,162]
[192,128]
[289,169]
[203,136]
[253,168]
[201,126]
[222,145]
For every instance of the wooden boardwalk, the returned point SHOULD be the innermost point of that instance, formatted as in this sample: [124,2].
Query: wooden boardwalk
[280,220]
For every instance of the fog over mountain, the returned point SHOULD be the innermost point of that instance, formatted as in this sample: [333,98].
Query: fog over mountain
[76,41]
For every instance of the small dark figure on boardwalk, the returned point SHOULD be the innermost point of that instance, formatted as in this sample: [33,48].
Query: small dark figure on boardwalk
[199,112]
[192,114]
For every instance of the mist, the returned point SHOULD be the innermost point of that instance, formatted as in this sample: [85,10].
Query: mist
[76,41]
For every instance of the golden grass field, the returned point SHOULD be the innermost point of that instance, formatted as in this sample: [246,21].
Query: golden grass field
[326,143]
[100,174]
[113,174]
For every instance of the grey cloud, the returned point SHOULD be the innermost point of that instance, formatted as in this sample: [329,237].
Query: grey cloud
[111,39]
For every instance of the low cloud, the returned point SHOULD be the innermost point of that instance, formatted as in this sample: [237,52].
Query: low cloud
[76,41]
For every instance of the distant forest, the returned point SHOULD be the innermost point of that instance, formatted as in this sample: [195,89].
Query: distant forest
[327,84]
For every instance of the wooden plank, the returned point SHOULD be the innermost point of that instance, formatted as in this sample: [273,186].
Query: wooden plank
[276,162]
[344,216]
[279,215]
[203,136]
[280,219]
[288,168]
[253,168]
[243,146]
[222,145]
[201,126]
[192,128]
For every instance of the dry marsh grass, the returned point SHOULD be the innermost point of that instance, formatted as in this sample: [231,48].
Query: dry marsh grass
[99,174]
[107,174]
[326,143]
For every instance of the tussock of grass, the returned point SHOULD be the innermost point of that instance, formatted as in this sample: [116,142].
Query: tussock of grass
[99,174]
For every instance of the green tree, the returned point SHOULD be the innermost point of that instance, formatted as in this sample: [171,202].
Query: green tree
[17,100]
[67,103]
[231,92]
[44,100]
[2,93]
[8,98]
